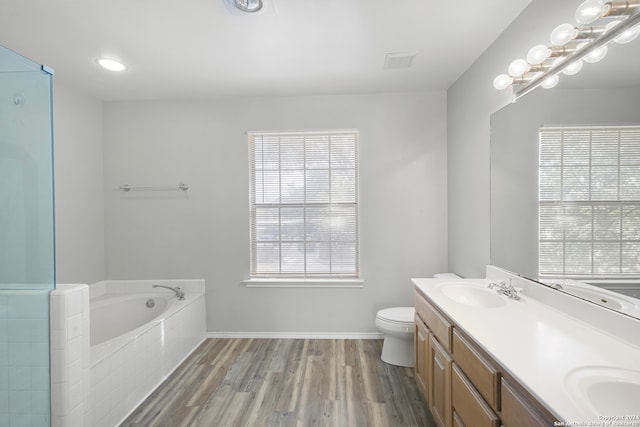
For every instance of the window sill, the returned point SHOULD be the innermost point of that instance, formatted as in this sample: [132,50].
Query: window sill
[303,283]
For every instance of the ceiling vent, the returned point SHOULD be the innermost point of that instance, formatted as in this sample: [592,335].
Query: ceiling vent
[399,60]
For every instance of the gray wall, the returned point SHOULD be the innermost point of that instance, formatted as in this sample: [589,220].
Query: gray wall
[470,103]
[79,187]
[204,233]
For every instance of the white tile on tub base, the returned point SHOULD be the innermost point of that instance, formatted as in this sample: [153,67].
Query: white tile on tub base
[75,326]
[59,363]
[74,304]
[76,417]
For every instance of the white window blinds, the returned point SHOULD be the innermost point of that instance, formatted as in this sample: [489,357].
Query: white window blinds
[304,204]
[589,194]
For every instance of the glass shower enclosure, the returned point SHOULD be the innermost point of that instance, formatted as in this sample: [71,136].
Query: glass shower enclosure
[27,264]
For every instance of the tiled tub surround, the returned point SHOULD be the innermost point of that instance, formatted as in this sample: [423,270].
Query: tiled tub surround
[544,337]
[99,385]
[24,364]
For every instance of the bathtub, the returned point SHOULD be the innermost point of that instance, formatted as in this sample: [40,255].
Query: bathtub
[123,338]
[118,315]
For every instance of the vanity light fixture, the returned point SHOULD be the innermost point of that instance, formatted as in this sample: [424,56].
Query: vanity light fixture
[248,6]
[599,22]
[111,64]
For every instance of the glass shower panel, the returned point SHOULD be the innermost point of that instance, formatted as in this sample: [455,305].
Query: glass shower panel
[27,257]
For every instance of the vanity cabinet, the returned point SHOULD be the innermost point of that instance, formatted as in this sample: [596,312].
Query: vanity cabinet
[461,383]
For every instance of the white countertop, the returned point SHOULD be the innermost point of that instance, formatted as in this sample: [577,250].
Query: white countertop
[540,345]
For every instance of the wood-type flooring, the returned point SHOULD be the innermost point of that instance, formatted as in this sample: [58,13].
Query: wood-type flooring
[285,382]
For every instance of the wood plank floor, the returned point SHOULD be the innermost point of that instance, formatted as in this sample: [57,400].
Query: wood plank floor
[285,382]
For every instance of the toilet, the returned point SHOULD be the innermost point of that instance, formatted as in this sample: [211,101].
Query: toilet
[397,324]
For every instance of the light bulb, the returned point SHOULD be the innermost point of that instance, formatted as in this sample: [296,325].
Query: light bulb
[550,82]
[518,68]
[538,54]
[562,34]
[611,25]
[503,81]
[574,68]
[628,36]
[596,55]
[589,11]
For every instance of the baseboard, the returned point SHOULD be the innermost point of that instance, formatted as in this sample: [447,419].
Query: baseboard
[299,335]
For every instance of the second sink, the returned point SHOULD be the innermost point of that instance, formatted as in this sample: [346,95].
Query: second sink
[605,390]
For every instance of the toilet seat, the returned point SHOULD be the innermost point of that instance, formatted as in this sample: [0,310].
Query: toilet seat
[398,315]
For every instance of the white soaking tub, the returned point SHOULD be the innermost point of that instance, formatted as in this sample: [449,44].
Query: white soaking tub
[118,315]
[133,337]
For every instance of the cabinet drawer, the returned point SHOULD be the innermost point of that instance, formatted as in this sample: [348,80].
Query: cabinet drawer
[484,376]
[438,325]
[520,411]
[468,405]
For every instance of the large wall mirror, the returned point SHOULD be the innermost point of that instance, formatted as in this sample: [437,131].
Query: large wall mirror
[602,94]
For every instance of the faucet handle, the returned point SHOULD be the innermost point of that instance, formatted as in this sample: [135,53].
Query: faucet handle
[499,283]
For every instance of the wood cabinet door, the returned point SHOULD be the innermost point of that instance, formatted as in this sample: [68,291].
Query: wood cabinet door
[422,357]
[439,381]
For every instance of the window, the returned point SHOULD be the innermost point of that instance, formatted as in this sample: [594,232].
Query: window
[589,194]
[304,204]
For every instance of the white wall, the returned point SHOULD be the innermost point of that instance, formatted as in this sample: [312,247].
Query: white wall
[79,187]
[204,233]
[470,103]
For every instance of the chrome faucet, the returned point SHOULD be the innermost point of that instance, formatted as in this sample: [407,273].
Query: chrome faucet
[504,289]
[179,292]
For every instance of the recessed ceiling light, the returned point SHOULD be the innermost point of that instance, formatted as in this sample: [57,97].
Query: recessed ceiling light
[248,5]
[111,64]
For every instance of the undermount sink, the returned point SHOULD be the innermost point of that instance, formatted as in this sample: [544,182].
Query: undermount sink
[605,390]
[472,295]
[604,298]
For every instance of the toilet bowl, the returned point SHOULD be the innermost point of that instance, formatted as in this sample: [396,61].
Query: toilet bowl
[397,324]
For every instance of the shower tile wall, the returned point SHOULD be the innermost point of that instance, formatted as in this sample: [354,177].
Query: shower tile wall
[70,356]
[24,358]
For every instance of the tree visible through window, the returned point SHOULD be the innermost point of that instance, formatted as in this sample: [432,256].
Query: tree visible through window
[589,194]
[304,204]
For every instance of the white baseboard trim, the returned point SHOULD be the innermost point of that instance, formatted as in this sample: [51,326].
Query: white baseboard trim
[300,335]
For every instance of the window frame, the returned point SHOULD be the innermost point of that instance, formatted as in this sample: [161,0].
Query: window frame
[327,278]
[590,206]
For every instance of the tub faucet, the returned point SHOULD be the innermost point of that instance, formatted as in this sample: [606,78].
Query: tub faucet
[179,292]
[504,289]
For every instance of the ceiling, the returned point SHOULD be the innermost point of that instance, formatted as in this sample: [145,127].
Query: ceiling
[189,49]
